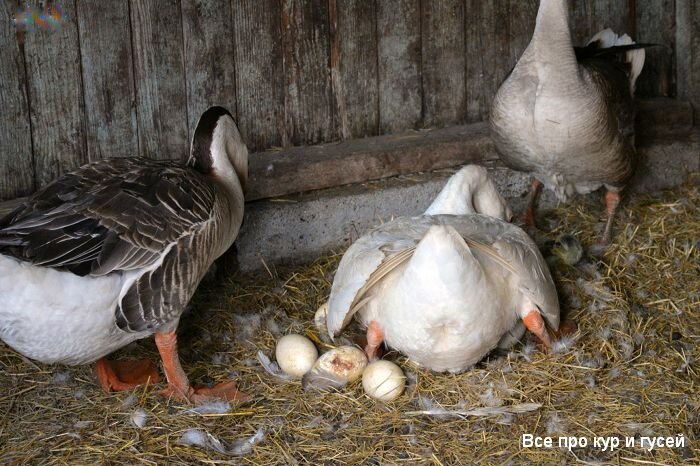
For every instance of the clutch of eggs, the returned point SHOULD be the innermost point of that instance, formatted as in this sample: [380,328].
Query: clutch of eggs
[298,357]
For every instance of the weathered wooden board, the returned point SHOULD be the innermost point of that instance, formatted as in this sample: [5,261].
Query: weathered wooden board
[488,58]
[656,21]
[307,168]
[399,44]
[297,169]
[590,16]
[353,49]
[522,17]
[208,44]
[161,96]
[305,38]
[682,47]
[443,62]
[259,72]
[694,52]
[57,104]
[108,79]
[16,168]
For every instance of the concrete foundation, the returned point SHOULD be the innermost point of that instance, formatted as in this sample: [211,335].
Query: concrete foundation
[300,227]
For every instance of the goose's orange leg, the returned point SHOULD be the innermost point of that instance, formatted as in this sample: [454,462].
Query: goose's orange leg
[534,323]
[179,385]
[375,337]
[528,215]
[124,375]
[612,200]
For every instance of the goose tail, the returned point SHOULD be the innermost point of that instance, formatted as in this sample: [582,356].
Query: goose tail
[634,54]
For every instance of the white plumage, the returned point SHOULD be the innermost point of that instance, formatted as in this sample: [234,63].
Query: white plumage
[445,289]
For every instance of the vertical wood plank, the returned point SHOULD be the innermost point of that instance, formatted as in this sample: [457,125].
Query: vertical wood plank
[353,39]
[54,80]
[309,116]
[488,54]
[16,168]
[259,72]
[656,23]
[694,51]
[209,60]
[443,61]
[522,15]
[399,42]
[581,17]
[161,96]
[682,41]
[591,16]
[108,79]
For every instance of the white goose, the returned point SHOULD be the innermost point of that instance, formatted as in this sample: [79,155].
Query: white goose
[112,253]
[566,114]
[447,287]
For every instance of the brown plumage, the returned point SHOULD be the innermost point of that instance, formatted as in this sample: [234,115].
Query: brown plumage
[145,230]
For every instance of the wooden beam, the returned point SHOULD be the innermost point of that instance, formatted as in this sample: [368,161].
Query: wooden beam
[298,169]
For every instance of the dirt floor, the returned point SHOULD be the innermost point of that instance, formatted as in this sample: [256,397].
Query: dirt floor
[631,370]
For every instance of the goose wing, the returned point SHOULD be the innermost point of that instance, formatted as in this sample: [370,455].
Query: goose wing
[111,215]
[514,249]
[383,249]
[367,261]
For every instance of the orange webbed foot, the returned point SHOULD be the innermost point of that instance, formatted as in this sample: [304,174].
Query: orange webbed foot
[179,387]
[125,375]
[226,391]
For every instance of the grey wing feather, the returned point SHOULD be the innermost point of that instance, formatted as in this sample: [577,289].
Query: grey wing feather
[116,216]
[363,261]
[112,215]
[514,246]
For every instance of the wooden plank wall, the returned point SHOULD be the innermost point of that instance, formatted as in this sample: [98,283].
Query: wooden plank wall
[129,77]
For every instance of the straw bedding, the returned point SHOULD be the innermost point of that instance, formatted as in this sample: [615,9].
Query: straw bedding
[631,369]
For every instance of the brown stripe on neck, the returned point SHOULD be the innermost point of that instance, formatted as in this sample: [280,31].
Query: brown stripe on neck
[201,157]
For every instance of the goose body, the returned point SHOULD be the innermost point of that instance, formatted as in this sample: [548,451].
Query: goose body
[566,114]
[79,329]
[447,288]
[112,252]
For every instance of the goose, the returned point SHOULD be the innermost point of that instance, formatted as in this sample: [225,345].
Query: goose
[113,251]
[566,114]
[446,287]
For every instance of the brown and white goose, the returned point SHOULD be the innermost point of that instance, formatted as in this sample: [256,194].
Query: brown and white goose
[112,253]
[566,114]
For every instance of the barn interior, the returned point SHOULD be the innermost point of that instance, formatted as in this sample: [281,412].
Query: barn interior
[356,112]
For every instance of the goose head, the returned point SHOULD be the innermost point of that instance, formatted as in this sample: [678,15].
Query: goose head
[218,150]
[470,191]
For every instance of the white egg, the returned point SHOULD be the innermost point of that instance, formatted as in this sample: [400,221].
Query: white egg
[383,380]
[295,354]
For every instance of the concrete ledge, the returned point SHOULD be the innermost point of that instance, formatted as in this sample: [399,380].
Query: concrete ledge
[299,227]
